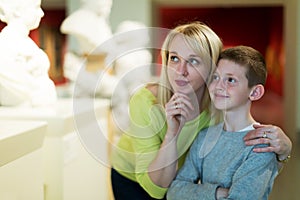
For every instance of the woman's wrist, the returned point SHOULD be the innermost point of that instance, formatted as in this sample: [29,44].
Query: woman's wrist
[286,155]
[170,137]
[283,158]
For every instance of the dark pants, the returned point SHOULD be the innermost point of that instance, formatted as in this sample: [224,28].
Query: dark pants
[125,189]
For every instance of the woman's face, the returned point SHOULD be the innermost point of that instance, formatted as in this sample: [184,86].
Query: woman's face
[186,70]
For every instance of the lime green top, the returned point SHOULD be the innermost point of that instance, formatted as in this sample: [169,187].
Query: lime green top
[139,145]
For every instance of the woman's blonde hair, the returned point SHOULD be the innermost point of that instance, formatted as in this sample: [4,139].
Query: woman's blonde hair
[204,41]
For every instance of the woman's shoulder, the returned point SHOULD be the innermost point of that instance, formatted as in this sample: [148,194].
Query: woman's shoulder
[149,91]
[145,95]
[153,88]
[141,102]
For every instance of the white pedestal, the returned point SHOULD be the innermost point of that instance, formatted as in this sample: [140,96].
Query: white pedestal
[21,160]
[70,171]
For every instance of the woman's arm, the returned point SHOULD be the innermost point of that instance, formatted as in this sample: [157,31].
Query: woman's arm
[163,168]
[154,141]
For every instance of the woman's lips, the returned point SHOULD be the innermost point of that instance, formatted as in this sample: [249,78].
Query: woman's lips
[181,82]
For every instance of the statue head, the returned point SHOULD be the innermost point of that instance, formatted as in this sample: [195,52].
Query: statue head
[101,7]
[27,12]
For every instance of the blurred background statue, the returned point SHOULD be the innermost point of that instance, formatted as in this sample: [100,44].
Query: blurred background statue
[132,61]
[24,78]
[89,24]
[106,64]
[90,28]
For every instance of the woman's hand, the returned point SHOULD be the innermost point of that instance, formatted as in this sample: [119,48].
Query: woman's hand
[162,170]
[272,135]
[178,111]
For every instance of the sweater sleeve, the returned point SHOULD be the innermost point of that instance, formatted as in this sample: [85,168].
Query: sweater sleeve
[255,177]
[252,180]
[187,184]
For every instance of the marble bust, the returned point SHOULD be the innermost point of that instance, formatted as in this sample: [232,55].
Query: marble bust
[89,25]
[24,78]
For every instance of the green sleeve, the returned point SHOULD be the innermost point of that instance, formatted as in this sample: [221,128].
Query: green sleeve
[148,129]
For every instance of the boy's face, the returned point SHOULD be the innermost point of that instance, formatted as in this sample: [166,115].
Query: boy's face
[229,86]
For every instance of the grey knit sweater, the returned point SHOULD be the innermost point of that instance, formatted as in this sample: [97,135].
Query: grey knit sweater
[219,158]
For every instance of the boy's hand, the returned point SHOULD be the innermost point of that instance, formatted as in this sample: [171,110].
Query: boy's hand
[221,193]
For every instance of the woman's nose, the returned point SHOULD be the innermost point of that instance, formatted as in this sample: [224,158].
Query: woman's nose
[182,68]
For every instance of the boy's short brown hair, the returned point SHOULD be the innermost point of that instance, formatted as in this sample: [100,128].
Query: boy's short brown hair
[251,59]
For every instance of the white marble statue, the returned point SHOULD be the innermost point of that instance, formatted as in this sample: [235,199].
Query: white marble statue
[24,78]
[132,61]
[89,25]
[90,28]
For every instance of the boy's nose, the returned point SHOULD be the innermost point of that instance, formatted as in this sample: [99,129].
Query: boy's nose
[220,84]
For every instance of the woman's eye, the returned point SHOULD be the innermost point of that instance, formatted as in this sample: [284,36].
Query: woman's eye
[174,58]
[194,62]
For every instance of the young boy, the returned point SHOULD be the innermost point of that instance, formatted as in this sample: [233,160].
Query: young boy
[219,165]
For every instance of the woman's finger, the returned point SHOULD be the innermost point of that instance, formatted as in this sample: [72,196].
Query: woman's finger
[183,99]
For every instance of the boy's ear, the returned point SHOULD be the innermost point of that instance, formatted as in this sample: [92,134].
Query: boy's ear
[257,92]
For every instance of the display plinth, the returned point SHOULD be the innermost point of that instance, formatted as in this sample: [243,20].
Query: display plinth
[70,171]
[21,160]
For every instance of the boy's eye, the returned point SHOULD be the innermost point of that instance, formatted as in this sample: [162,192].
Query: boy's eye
[215,77]
[231,80]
